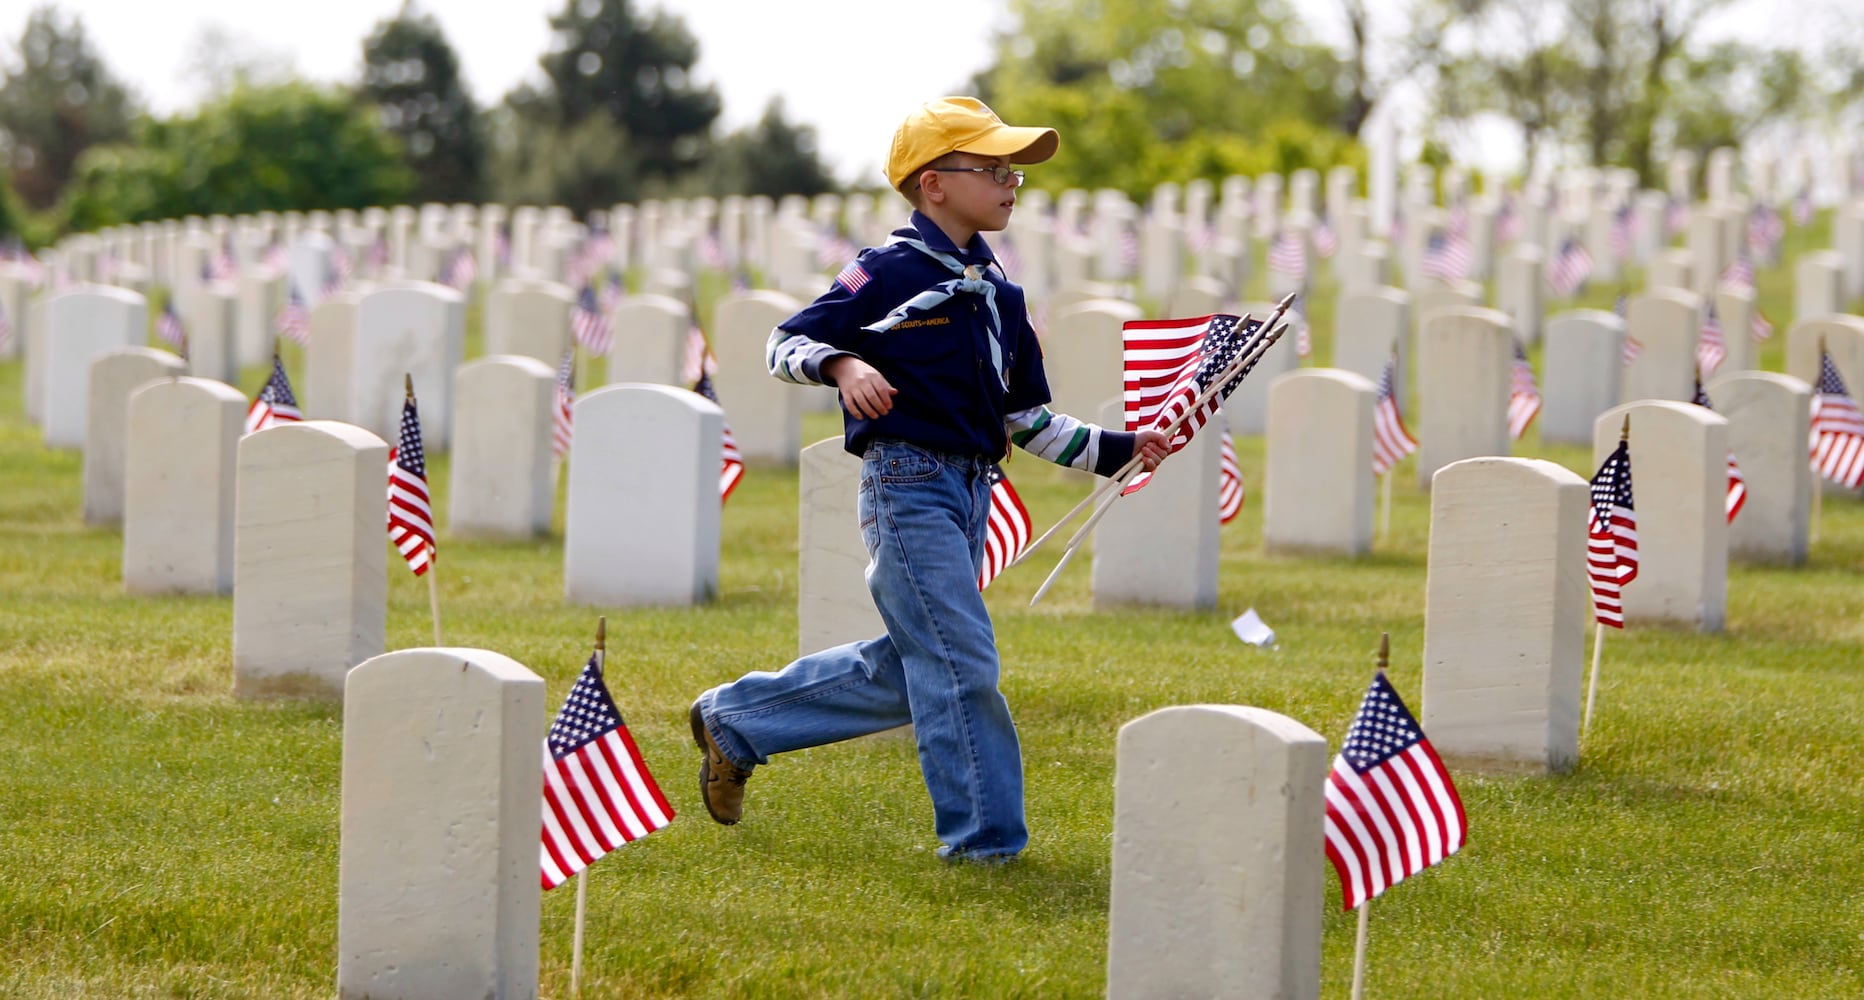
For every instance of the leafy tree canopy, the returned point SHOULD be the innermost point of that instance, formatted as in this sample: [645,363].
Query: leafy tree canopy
[412,74]
[59,101]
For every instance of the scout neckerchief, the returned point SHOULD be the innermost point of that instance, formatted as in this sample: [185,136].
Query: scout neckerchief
[970,279]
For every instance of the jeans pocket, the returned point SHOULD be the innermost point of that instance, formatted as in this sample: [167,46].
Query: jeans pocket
[907,465]
[865,506]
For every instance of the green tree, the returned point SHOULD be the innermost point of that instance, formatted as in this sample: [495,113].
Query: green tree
[293,146]
[1143,93]
[772,157]
[638,72]
[58,102]
[535,161]
[412,74]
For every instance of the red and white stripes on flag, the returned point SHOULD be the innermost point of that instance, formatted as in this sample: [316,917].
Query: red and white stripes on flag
[1737,483]
[1288,254]
[1392,810]
[275,404]
[1008,530]
[168,326]
[1229,482]
[1837,429]
[700,364]
[1391,442]
[1168,364]
[1611,537]
[1523,394]
[598,793]
[294,321]
[588,323]
[410,518]
[561,425]
[1711,349]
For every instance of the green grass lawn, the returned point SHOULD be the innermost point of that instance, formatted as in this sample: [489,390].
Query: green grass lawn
[160,839]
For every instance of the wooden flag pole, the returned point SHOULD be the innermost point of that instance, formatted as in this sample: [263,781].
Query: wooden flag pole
[433,590]
[582,877]
[1124,472]
[1359,951]
[1365,906]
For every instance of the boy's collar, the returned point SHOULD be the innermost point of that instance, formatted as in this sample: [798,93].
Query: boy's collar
[977,251]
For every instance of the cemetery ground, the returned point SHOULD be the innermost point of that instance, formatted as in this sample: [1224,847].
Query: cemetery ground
[162,839]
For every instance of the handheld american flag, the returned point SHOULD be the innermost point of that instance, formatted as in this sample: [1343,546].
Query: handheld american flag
[274,404]
[1392,810]
[561,425]
[1611,537]
[1008,531]
[1523,393]
[1169,363]
[410,519]
[1837,428]
[1391,442]
[1737,483]
[598,794]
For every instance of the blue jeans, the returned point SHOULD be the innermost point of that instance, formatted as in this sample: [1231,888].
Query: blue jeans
[923,517]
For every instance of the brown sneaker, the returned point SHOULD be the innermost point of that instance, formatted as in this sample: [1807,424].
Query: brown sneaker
[721,782]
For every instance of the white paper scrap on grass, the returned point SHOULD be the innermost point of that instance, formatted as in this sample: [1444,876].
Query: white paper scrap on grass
[1251,630]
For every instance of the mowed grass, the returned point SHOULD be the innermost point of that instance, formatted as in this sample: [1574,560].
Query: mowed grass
[161,839]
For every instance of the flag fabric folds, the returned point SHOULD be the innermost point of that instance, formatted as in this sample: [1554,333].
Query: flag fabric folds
[1711,349]
[588,324]
[1392,810]
[700,364]
[1570,268]
[410,519]
[1837,429]
[598,793]
[1288,255]
[168,326]
[1611,537]
[1447,257]
[1523,393]
[561,426]
[293,321]
[1169,363]
[1008,530]
[1737,483]
[1229,482]
[275,403]
[1391,442]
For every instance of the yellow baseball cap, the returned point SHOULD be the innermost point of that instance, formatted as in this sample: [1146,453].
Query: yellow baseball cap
[962,125]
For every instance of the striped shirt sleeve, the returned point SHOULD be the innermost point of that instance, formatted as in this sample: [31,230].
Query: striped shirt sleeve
[1068,442]
[795,357]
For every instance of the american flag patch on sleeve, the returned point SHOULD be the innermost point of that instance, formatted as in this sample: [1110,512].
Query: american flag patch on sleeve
[852,277]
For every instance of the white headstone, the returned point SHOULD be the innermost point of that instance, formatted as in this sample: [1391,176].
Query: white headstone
[326,394]
[1505,614]
[1666,323]
[1679,482]
[1217,895]
[1767,415]
[503,481]
[1158,547]
[207,315]
[529,317]
[1082,355]
[1317,488]
[178,476]
[84,324]
[260,295]
[1248,406]
[114,376]
[1463,362]
[1818,285]
[417,329]
[310,575]
[1734,310]
[1672,268]
[651,337]
[765,413]
[1369,326]
[1581,363]
[642,523]
[438,888]
[1521,291]
[832,602]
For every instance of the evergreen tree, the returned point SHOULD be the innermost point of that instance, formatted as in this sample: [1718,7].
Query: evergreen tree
[412,74]
[58,102]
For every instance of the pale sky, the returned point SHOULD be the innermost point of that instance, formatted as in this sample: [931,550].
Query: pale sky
[849,68]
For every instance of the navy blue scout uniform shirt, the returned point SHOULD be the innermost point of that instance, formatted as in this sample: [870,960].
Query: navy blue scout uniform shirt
[949,398]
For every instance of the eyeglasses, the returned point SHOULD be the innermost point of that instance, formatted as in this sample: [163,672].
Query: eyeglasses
[1002,175]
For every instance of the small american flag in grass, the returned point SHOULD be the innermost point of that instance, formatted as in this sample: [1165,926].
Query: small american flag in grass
[588,324]
[1391,809]
[1391,442]
[561,424]
[275,404]
[598,793]
[1837,428]
[410,518]
[1611,537]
